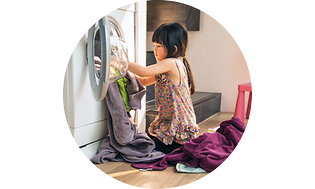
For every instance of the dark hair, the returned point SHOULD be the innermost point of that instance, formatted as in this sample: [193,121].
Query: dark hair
[171,35]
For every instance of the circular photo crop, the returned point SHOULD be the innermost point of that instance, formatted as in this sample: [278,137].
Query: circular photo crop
[157,94]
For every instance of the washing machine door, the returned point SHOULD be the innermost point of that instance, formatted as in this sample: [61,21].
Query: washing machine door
[107,55]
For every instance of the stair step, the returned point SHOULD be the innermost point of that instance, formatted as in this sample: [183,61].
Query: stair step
[205,105]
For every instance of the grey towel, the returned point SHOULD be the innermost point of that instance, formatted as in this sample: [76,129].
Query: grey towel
[135,90]
[123,142]
[106,152]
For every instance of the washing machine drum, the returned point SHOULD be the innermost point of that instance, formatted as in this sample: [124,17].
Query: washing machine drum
[107,55]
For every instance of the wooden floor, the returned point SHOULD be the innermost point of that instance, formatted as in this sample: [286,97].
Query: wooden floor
[167,178]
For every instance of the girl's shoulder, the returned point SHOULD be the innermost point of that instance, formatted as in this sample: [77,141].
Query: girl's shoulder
[168,60]
[171,61]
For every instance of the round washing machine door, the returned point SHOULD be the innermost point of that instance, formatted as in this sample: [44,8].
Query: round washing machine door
[107,55]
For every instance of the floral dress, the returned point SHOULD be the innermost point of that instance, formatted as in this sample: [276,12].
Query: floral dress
[176,120]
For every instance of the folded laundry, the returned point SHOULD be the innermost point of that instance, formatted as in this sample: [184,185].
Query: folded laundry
[123,142]
[207,151]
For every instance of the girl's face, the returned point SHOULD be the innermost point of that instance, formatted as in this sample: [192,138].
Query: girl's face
[160,52]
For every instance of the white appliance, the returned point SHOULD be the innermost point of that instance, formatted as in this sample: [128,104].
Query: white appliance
[120,33]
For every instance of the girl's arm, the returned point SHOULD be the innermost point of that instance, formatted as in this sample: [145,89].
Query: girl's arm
[146,75]
[164,66]
[145,81]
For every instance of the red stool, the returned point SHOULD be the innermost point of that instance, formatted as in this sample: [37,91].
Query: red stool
[240,104]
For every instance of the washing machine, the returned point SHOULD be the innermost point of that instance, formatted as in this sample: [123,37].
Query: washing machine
[100,57]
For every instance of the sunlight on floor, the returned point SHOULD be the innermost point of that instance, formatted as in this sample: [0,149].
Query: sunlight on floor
[123,173]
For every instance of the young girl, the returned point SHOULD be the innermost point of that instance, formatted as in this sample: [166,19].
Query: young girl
[176,121]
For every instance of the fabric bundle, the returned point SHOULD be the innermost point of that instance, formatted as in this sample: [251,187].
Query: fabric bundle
[207,151]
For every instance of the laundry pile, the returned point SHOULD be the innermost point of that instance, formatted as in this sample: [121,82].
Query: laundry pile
[207,151]
[123,142]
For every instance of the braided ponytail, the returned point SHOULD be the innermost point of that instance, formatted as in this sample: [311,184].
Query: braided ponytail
[191,83]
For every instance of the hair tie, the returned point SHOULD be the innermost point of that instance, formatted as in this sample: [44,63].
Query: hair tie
[184,57]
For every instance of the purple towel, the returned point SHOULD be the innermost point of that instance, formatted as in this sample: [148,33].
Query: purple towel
[207,151]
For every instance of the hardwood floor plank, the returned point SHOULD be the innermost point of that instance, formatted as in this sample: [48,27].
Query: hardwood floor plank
[109,166]
[155,179]
[179,179]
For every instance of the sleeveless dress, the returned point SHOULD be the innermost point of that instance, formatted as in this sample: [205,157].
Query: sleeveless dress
[176,120]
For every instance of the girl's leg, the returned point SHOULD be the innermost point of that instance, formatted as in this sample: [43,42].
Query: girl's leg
[170,148]
[160,146]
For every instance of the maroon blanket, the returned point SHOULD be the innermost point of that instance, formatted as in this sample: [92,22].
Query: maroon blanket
[207,151]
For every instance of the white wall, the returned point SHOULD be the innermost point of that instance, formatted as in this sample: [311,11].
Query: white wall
[217,62]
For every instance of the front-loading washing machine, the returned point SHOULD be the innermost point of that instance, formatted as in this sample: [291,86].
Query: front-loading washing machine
[114,40]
